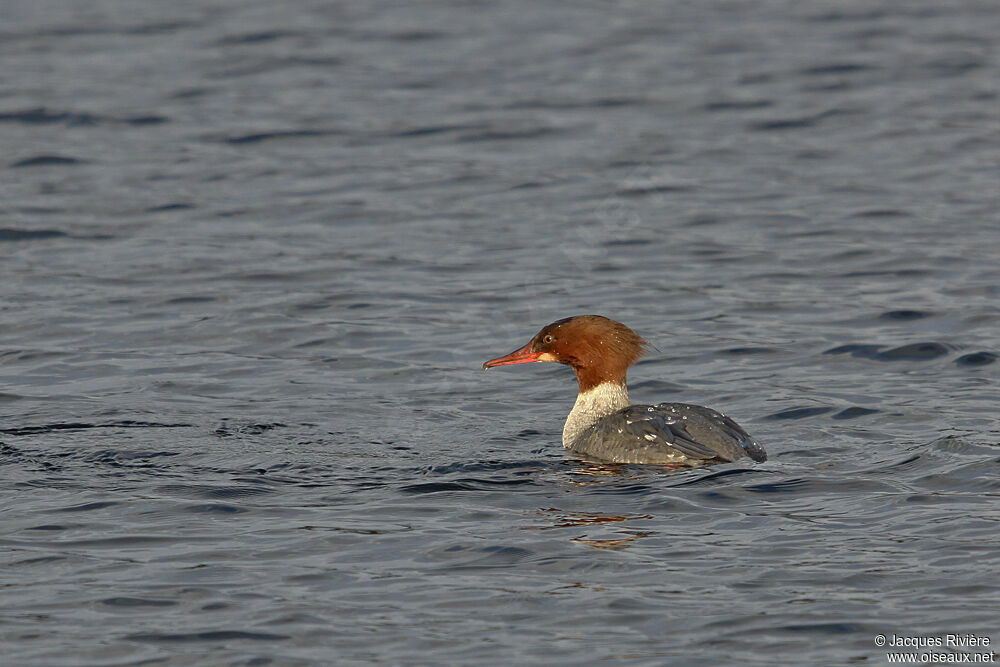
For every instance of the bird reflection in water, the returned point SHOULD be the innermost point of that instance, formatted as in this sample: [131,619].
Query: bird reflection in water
[572,519]
[598,472]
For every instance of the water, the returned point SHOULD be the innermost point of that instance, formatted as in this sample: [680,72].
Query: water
[253,255]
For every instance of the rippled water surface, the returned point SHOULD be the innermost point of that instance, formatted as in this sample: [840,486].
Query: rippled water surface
[252,255]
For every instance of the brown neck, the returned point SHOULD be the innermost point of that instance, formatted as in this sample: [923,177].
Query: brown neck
[592,376]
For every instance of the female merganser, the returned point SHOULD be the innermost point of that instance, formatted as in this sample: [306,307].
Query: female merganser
[602,424]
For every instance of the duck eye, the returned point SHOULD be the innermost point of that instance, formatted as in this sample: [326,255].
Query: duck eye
[548,339]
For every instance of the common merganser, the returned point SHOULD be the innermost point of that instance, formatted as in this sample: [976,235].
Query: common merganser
[602,424]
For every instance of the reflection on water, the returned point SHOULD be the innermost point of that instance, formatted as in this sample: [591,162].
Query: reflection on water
[618,543]
[603,472]
[560,519]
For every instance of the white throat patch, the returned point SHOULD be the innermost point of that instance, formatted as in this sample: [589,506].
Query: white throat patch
[592,406]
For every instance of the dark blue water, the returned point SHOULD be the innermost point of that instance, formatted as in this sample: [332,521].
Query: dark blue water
[252,255]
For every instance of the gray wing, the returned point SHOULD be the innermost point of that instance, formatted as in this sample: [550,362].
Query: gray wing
[665,434]
[716,431]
